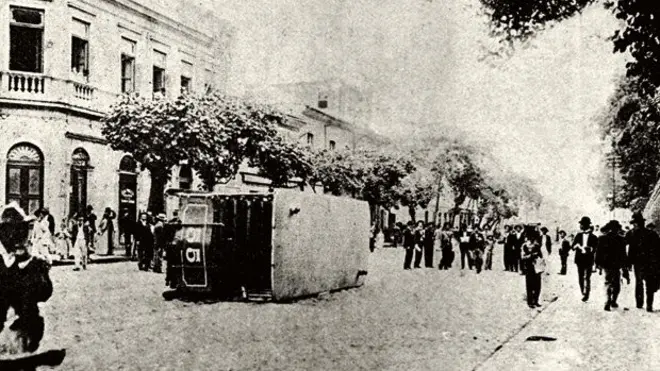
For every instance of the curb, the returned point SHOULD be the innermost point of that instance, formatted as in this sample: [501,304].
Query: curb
[97,260]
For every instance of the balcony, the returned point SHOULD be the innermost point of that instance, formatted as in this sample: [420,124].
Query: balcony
[25,88]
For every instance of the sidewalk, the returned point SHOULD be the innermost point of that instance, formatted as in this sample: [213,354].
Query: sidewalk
[587,337]
[97,259]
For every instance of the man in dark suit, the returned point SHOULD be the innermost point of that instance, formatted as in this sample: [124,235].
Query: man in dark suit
[564,250]
[145,242]
[611,257]
[515,242]
[584,245]
[644,257]
[408,245]
[507,247]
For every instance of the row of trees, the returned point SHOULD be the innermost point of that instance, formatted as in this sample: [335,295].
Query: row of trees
[215,134]
[632,119]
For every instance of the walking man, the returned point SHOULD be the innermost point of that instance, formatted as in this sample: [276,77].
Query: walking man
[644,257]
[585,245]
[564,250]
[611,257]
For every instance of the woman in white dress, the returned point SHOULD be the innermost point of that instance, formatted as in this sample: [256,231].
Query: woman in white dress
[42,240]
[63,239]
[78,234]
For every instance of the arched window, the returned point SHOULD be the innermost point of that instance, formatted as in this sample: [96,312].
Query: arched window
[79,168]
[185,177]
[25,183]
[127,164]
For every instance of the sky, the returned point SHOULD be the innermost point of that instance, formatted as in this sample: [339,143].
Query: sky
[422,60]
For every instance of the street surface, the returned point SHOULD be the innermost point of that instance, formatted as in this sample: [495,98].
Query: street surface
[113,317]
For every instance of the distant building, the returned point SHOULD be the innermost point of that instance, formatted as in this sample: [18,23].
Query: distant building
[63,64]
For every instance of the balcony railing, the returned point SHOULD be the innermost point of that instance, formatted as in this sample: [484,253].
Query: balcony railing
[25,87]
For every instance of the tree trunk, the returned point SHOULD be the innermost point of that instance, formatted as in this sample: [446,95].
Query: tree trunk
[437,209]
[156,192]
[412,212]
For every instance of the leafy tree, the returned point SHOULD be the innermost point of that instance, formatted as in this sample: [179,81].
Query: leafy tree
[160,134]
[418,190]
[457,163]
[214,133]
[365,174]
[520,20]
[632,117]
[632,122]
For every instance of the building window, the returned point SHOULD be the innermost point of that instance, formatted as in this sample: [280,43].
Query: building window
[128,66]
[80,48]
[186,83]
[323,101]
[185,177]
[186,77]
[25,169]
[209,79]
[310,139]
[26,33]
[158,78]
[332,144]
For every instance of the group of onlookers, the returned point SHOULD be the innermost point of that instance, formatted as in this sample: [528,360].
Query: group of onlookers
[149,238]
[76,237]
[420,240]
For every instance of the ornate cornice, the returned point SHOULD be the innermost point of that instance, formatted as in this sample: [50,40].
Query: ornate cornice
[86,138]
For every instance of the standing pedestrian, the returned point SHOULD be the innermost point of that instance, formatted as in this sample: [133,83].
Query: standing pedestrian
[80,250]
[408,244]
[63,239]
[585,245]
[144,240]
[477,247]
[419,243]
[490,246]
[532,258]
[126,226]
[546,240]
[447,247]
[611,257]
[159,242]
[564,250]
[90,220]
[515,242]
[172,276]
[644,257]
[464,246]
[107,227]
[41,239]
[429,238]
[507,247]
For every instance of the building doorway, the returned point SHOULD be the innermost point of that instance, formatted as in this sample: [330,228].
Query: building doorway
[79,169]
[25,177]
[127,199]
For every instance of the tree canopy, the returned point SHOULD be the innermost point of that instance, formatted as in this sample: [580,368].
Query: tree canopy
[213,133]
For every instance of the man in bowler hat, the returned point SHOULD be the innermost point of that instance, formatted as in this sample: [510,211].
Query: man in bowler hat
[584,245]
[644,257]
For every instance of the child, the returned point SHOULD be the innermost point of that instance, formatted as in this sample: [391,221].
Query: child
[80,252]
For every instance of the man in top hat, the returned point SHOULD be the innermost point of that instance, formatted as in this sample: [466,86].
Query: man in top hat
[585,244]
[546,240]
[644,257]
[611,257]
[24,279]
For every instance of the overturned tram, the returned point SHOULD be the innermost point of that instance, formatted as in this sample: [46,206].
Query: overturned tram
[280,245]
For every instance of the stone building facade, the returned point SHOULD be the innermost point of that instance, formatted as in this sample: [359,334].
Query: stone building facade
[65,63]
